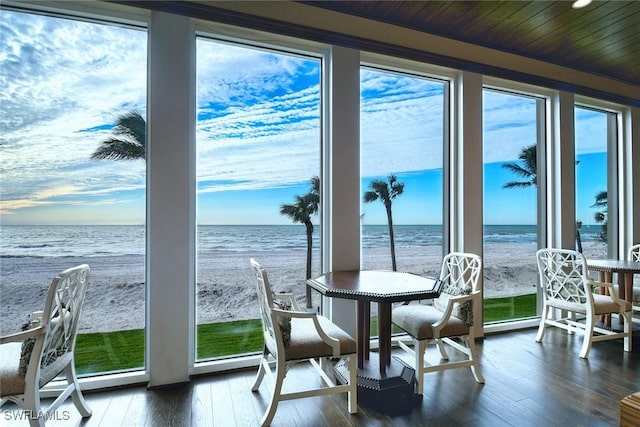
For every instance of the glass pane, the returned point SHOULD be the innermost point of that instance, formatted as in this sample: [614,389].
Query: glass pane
[591,181]
[401,157]
[510,206]
[65,84]
[258,147]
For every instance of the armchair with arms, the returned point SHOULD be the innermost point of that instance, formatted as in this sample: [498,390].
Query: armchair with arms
[568,292]
[32,358]
[293,336]
[448,321]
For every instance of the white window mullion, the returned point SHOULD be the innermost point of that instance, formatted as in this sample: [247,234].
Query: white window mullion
[466,172]
[561,159]
[170,199]
[342,173]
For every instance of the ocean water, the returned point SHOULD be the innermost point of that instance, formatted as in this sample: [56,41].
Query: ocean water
[112,240]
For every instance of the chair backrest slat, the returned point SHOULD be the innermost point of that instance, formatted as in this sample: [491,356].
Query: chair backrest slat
[563,275]
[265,303]
[62,312]
[461,270]
[460,275]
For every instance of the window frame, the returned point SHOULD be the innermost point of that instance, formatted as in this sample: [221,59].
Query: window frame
[269,42]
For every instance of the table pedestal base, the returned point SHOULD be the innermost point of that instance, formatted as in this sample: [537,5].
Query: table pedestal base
[391,393]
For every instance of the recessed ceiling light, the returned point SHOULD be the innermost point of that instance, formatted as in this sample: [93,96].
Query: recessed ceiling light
[580,3]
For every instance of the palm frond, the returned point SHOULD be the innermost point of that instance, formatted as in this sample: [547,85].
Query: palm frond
[528,169]
[518,184]
[601,200]
[370,196]
[128,142]
[305,205]
[118,149]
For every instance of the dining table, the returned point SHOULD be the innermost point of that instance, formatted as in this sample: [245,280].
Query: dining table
[625,271]
[387,383]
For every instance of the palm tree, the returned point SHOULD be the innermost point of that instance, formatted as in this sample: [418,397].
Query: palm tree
[528,171]
[601,216]
[300,212]
[386,191]
[128,142]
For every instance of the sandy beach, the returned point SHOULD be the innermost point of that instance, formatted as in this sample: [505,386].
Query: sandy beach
[225,290]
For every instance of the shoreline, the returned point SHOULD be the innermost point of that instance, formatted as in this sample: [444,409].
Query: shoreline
[225,287]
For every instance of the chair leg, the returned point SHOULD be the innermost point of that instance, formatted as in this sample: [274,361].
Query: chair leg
[76,396]
[31,406]
[475,368]
[352,396]
[275,397]
[419,349]
[261,371]
[543,318]
[443,352]
[588,334]
[628,330]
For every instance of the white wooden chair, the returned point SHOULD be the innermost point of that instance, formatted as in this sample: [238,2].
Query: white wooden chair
[568,291]
[448,320]
[31,359]
[292,336]
[634,255]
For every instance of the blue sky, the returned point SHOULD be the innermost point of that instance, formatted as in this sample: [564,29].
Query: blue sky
[64,83]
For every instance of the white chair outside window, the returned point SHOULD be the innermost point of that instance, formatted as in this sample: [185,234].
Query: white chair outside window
[448,320]
[568,292]
[32,358]
[293,336]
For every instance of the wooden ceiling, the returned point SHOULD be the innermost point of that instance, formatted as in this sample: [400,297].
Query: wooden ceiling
[602,38]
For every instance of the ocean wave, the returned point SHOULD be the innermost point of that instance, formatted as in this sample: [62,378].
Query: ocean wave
[112,241]
[21,256]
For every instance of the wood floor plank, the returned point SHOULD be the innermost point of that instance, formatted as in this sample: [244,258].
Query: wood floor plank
[221,403]
[245,415]
[169,406]
[137,410]
[201,408]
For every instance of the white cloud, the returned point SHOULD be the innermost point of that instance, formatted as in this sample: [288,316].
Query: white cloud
[65,82]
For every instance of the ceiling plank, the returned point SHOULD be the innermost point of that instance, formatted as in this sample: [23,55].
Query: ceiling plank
[602,38]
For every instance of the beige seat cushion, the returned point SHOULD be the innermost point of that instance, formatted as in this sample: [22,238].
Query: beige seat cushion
[11,382]
[565,305]
[306,343]
[417,321]
[603,304]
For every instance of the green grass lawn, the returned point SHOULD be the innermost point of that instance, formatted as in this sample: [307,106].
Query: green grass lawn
[121,351]
[500,309]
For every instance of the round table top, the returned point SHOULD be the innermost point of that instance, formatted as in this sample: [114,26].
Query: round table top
[613,265]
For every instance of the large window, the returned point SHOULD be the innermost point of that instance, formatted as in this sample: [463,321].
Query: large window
[67,196]
[401,163]
[258,149]
[510,202]
[594,129]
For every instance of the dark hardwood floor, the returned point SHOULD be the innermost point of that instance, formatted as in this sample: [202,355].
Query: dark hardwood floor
[527,384]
